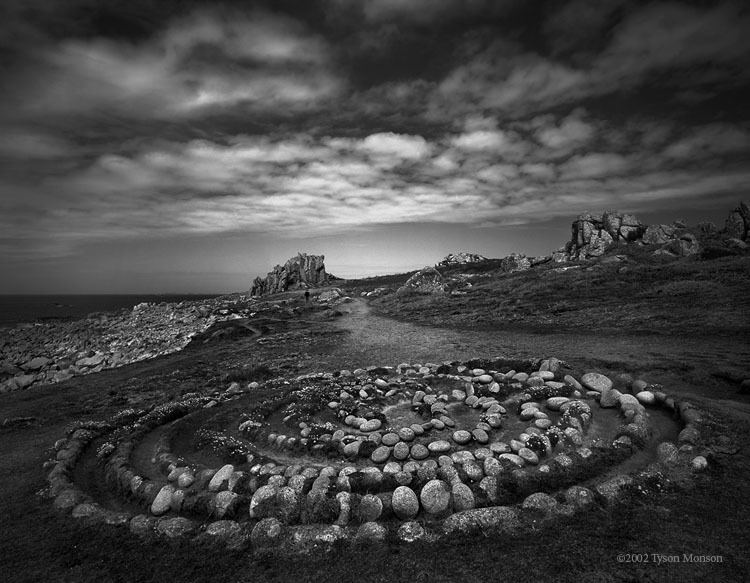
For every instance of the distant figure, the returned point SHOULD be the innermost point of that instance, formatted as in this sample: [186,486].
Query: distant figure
[307,296]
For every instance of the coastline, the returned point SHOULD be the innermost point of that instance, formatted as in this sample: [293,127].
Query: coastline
[53,351]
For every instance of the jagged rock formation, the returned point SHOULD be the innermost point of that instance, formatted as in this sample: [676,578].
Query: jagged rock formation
[426,281]
[515,262]
[593,234]
[299,272]
[461,259]
[737,225]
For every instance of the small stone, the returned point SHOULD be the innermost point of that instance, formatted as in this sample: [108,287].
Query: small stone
[482,521]
[596,382]
[410,532]
[381,454]
[610,398]
[221,478]
[513,458]
[554,403]
[463,497]
[439,446]
[646,398]
[480,435]
[638,386]
[461,437]
[528,455]
[579,496]
[370,508]
[542,423]
[266,533]
[419,452]
[540,501]
[405,503]
[610,490]
[401,451]
[390,439]
[699,463]
[262,501]
[492,467]
[435,497]
[163,501]
[667,452]
[406,434]
[371,532]
[371,425]
[224,503]
[175,527]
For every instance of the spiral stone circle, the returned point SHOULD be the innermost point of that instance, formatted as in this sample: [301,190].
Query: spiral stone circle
[361,455]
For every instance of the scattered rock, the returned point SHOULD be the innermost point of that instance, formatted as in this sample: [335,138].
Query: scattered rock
[426,281]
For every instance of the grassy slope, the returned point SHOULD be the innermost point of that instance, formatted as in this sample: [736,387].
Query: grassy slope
[36,544]
[642,294]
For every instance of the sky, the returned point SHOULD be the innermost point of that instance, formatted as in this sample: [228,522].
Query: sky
[188,146]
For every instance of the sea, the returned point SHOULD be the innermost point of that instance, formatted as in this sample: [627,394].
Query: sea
[16,309]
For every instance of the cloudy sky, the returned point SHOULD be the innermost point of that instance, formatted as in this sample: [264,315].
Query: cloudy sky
[179,145]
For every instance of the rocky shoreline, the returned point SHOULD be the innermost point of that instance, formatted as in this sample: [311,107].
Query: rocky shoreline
[53,352]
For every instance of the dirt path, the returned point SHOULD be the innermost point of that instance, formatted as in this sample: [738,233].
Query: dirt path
[697,366]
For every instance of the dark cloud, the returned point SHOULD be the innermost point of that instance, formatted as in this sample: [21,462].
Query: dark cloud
[177,119]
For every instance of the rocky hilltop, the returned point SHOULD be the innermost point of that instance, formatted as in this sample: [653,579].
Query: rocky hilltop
[593,234]
[461,258]
[299,272]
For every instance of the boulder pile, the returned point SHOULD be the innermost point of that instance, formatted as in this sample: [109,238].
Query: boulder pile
[461,259]
[300,272]
[515,262]
[593,234]
[54,352]
[426,281]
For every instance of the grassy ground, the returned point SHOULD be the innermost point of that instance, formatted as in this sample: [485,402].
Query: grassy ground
[36,544]
[639,294]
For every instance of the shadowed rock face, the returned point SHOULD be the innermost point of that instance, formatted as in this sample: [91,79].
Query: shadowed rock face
[300,272]
[593,234]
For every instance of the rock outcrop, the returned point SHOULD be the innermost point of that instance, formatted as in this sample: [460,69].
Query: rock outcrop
[737,225]
[593,234]
[461,259]
[515,262]
[300,272]
[426,281]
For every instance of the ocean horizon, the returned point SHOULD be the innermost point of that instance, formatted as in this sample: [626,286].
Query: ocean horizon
[26,308]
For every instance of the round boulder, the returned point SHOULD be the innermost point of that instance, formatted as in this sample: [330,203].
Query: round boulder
[594,381]
[435,497]
[405,503]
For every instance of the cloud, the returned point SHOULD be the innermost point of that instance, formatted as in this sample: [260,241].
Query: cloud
[710,141]
[206,60]
[661,36]
[572,131]
[594,165]
[420,12]
[397,146]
